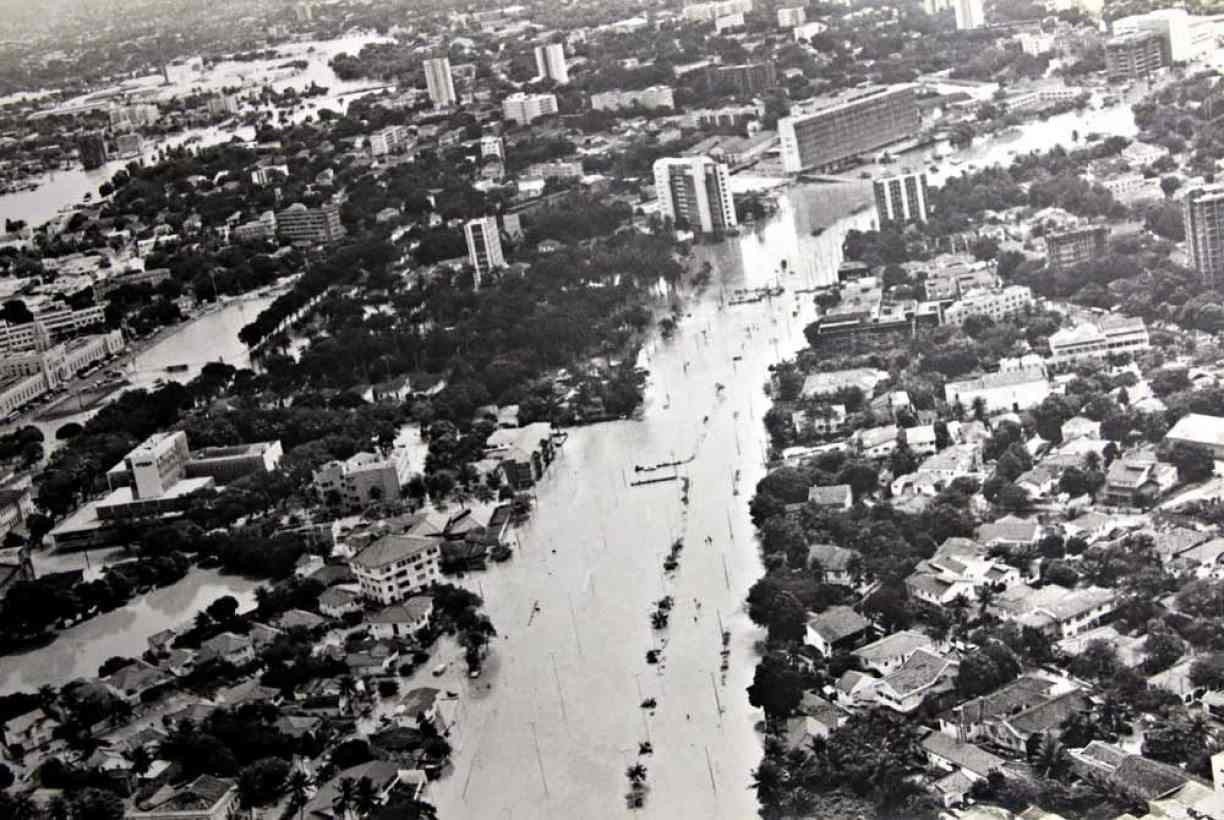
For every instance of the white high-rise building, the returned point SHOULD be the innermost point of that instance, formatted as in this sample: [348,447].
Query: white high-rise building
[695,191]
[792,16]
[491,146]
[969,14]
[1188,36]
[550,63]
[439,81]
[524,108]
[484,245]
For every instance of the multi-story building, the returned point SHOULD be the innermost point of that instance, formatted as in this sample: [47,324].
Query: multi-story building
[656,96]
[134,115]
[261,228]
[560,169]
[363,479]
[51,323]
[993,304]
[525,108]
[1135,54]
[936,6]
[390,140]
[1035,43]
[440,82]
[297,223]
[711,11]
[746,79]
[92,147]
[808,30]
[728,116]
[830,131]
[1130,188]
[902,198]
[396,567]
[791,16]
[951,276]
[222,105]
[491,146]
[226,464]
[969,14]
[1066,249]
[1203,217]
[266,174]
[27,375]
[1110,335]
[1187,37]
[484,246]
[154,466]
[128,145]
[550,63]
[1001,392]
[728,21]
[695,192]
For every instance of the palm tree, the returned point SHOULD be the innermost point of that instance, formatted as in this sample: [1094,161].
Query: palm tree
[346,796]
[47,697]
[58,809]
[636,774]
[1051,758]
[23,807]
[366,800]
[299,782]
[348,688]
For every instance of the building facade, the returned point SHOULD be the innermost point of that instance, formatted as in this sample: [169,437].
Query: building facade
[390,140]
[969,14]
[655,96]
[525,108]
[1136,54]
[550,63]
[1187,37]
[902,198]
[297,223]
[1116,335]
[791,16]
[695,191]
[484,246]
[92,147]
[396,567]
[993,304]
[746,79]
[837,129]
[1067,249]
[440,82]
[711,11]
[1203,217]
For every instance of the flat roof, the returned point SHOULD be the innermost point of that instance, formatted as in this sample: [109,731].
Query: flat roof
[187,486]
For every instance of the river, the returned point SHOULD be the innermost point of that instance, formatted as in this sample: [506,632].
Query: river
[568,677]
[67,187]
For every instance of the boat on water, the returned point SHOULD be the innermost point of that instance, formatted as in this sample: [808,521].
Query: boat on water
[176,368]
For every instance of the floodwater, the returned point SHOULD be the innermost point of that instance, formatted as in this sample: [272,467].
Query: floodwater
[64,188]
[79,651]
[561,719]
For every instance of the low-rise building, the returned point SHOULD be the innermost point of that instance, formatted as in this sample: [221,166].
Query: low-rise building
[837,565]
[836,628]
[402,620]
[923,674]
[1001,392]
[205,798]
[1115,335]
[524,453]
[362,479]
[1199,430]
[993,304]
[888,653]
[835,497]
[1137,479]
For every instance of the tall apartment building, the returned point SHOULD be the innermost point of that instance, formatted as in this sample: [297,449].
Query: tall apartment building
[221,105]
[390,140]
[526,108]
[656,96]
[550,63]
[835,129]
[1066,249]
[440,82]
[902,198]
[1203,216]
[92,147]
[484,245]
[791,16]
[1187,37]
[747,79]
[709,12]
[297,223]
[969,14]
[695,191]
[491,146]
[936,6]
[1135,54]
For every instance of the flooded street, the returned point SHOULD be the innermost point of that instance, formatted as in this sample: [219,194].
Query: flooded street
[571,676]
[79,651]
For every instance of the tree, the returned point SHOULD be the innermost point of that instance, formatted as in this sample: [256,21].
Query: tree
[366,799]
[299,785]
[776,687]
[1163,648]
[1208,671]
[1052,760]
[223,609]
[1013,498]
[861,476]
[1194,462]
[346,796]
[261,781]
[97,804]
[1169,185]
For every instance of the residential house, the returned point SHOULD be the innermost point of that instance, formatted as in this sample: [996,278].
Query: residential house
[854,689]
[138,682]
[835,628]
[1200,430]
[805,727]
[1176,679]
[228,647]
[888,653]
[825,420]
[205,798]
[921,440]
[1129,649]
[923,674]
[1012,732]
[401,620]
[835,497]
[837,564]
[1011,531]
[1040,481]
[336,602]
[375,659]
[1135,775]
[1080,427]
[1064,613]
[937,472]
[1203,559]
[967,721]
[1137,479]
[28,732]
[384,776]
[877,442]
[1170,544]
[830,382]
[946,752]
[940,579]
[524,452]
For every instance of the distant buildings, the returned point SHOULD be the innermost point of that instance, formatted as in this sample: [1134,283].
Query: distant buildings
[396,567]
[1203,217]
[969,14]
[695,192]
[560,169]
[550,63]
[1187,37]
[745,79]
[655,96]
[1066,249]
[993,304]
[950,277]
[92,147]
[1135,54]
[524,108]
[390,140]
[440,82]
[29,375]
[363,479]
[1113,335]
[836,129]
[484,245]
[491,146]
[708,12]
[222,105]
[1002,392]
[791,16]
[135,115]
[727,116]
[297,223]
[902,198]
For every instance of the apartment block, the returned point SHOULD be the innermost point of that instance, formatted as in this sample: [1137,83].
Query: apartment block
[746,79]
[1203,216]
[695,192]
[524,108]
[902,198]
[297,223]
[1066,249]
[396,567]
[993,304]
[1093,340]
[830,131]
[791,16]
[969,14]
[550,63]
[655,96]
[709,12]
[484,246]
[390,140]
[440,82]
[1135,54]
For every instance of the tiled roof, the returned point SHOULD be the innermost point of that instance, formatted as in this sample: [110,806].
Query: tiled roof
[831,558]
[922,670]
[1022,693]
[200,795]
[1050,714]
[391,548]
[891,646]
[837,494]
[837,622]
[1149,778]
[965,755]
